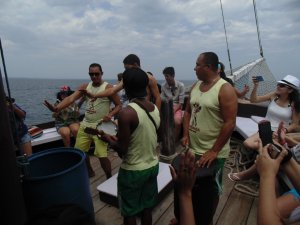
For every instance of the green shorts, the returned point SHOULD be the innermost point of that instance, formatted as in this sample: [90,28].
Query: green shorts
[137,190]
[84,140]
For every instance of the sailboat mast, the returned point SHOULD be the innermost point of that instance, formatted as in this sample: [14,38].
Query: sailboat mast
[228,53]
[258,33]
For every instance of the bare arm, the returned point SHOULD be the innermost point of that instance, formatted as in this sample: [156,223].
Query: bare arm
[185,179]
[256,99]
[268,212]
[242,93]
[292,170]
[127,123]
[294,123]
[116,100]
[19,112]
[69,100]
[228,109]
[154,90]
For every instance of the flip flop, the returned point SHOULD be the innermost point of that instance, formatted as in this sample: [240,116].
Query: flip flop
[234,177]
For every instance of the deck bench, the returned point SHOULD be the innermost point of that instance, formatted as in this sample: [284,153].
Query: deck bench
[49,135]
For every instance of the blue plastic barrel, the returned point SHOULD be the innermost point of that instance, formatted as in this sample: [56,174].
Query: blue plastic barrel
[57,176]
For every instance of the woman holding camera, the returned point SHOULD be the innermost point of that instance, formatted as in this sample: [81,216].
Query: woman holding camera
[281,108]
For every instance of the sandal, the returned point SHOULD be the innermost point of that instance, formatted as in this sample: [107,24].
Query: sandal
[234,177]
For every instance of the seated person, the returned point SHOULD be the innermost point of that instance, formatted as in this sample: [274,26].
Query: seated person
[20,130]
[174,90]
[284,209]
[66,120]
[282,107]
[239,94]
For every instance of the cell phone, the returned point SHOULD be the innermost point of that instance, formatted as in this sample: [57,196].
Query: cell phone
[274,151]
[259,78]
[265,132]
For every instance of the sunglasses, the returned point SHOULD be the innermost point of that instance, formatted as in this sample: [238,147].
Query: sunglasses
[94,74]
[282,85]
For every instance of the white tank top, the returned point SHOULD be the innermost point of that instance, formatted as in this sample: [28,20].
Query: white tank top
[276,113]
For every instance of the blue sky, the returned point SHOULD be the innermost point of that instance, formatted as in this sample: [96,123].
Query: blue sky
[60,38]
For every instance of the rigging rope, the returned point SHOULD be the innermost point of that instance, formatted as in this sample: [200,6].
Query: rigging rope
[257,27]
[226,38]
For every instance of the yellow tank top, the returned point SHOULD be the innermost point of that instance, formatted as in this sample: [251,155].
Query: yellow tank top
[206,120]
[95,110]
[141,153]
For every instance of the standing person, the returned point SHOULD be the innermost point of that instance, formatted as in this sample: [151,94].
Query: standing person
[67,120]
[133,61]
[209,120]
[136,144]
[20,130]
[96,110]
[121,93]
[174,90]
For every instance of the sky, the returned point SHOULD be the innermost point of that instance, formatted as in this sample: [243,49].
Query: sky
[61,38]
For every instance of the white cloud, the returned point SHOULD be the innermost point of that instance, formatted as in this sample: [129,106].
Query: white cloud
[61,38]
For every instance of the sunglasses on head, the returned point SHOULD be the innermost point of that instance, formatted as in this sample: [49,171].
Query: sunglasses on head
[94,74]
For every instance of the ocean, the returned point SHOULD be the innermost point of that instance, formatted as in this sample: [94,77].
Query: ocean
[30,94]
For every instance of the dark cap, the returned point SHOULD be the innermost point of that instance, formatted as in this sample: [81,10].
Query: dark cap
[135,82]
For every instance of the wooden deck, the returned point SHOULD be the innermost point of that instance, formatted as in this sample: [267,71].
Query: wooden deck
[234,207]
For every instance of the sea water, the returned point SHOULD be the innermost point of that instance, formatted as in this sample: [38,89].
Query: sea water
[30,94]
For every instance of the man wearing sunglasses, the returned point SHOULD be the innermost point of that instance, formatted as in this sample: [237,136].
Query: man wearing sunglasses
[96,110]
[131,61]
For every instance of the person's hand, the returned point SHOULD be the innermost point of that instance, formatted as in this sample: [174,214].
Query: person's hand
[246,88]
[255,81]
[51,107]
[109,138]
[266,166]
[184,141]
[186,175]
[107,118]
[207,158]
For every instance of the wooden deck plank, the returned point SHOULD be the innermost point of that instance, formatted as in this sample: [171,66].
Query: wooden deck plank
[252,218]
[234,207]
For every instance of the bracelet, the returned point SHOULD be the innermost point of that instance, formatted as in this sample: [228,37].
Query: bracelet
[287,157]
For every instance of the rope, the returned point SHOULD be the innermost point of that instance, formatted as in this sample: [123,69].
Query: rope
[228,53]
[240,159]
[257,27]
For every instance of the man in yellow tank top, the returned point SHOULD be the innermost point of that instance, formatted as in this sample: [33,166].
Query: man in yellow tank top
[136,143]
[96,110]
[209,120]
